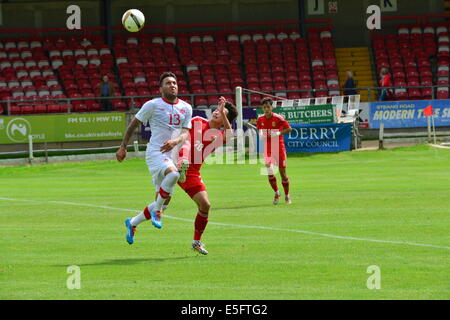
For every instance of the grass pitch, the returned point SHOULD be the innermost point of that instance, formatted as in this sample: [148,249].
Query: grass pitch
[350,211]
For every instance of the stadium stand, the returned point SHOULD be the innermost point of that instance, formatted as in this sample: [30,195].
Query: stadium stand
[207,64]
[417,55]
[54,68]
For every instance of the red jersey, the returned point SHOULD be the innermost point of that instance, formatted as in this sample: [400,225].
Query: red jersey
[277,123]
[386,81]
[202,142]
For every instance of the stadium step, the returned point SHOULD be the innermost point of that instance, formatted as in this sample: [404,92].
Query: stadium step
[356,59]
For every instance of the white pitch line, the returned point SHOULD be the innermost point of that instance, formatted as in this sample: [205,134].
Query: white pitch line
[439,146]
[241,225]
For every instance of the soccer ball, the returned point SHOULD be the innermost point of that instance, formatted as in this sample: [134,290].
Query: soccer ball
[133,20]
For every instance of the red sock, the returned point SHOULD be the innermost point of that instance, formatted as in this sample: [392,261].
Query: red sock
[200,224]
[273,182]
[285,184]
[147,213]
[163,193]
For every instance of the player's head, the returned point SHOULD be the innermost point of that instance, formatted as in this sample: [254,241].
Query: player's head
[267,105]
[168,86]
[105,78]
[230,111]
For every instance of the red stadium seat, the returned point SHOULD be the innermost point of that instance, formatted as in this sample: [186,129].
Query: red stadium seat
[414,93]
[200,101]
[442,93]
[255,99]
[320,94]
[293,95]
[40,108]
[27,109]
[15,110]
[265,78]
[427,93]
[119,106]
[79,107]
[55,108]
[266,87]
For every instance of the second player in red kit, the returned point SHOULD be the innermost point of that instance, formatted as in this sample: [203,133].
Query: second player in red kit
[272,127]
[205,137]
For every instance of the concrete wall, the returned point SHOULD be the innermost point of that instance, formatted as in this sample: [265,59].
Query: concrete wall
[350,20]
[46,14]
[52,14]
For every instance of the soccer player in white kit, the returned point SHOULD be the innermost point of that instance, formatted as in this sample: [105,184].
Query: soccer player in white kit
[166,116]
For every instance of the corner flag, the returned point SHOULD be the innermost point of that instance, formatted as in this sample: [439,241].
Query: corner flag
[428,111]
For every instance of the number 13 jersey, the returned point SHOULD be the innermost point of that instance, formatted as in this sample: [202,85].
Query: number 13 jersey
[165,120]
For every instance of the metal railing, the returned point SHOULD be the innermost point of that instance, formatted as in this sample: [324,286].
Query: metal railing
[69,102]
[372,93]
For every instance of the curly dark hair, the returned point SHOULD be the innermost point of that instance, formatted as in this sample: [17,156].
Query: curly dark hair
[266,100]
[166,75]
[232,111]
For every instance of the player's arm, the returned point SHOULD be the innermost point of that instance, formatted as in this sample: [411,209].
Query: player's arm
[170,144]
[221,107]
[226,123]
[122,152]
[285,128]
[185,151]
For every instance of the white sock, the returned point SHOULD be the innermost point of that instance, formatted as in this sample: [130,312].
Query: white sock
[167,185]
[141,217]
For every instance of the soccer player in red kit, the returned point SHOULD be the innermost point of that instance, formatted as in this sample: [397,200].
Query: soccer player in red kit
[272,126]
[204,137]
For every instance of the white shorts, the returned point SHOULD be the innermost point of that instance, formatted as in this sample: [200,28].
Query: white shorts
[158,163]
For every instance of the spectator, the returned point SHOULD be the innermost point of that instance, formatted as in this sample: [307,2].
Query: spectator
[385,82]
[350,84]
[106,90]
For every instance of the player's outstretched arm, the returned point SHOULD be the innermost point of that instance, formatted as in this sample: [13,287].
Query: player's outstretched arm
[122,152]
[221,107]
[226,123]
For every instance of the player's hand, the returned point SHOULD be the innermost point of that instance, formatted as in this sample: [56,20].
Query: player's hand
[121,154]
[273,133]
[221,105]
[168,145]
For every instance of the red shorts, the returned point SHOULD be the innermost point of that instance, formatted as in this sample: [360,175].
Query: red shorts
[193,184]
[276,159]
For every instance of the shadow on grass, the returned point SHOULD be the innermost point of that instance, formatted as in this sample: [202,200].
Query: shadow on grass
[131,261]
[240,207]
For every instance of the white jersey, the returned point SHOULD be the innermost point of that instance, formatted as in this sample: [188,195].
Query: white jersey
[165,120]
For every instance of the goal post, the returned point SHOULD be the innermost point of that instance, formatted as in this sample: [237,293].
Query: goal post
[239,120]
[345,105]
[345,109]
[240,126]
